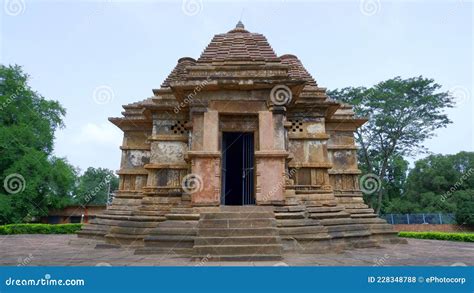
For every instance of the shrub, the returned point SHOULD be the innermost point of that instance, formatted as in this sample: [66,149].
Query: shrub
[465,237]
[39,229]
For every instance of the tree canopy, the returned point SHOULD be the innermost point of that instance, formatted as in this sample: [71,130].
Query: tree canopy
[33,179]
[95,185]
[402,114]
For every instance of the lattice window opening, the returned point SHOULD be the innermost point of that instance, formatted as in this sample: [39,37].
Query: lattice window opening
[179,127]
[296,126]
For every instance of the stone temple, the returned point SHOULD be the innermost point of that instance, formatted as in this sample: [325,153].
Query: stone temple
[239,155]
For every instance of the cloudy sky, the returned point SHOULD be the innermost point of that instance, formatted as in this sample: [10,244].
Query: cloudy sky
[94,56]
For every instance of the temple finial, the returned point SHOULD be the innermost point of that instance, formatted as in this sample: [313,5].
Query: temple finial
[240,25]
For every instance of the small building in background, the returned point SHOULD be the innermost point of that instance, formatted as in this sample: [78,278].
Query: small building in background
[73,214]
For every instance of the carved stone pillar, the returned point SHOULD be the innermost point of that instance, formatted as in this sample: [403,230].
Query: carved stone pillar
[270,157]
[205,159]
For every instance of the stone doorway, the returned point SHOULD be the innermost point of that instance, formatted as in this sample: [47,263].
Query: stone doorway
[237,168]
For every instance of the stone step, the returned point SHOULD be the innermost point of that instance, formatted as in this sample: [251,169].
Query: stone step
[147,218]
[182,216]
[260,240]
[351,200]
[302,230]
[179,224]
[337,221]
[307,237]
[182,210]
[320,203]
[168,251]
[352,227]
[169,238]
[125,236]
[360,211]
[363,215]
[353,205]
[329,215]
[118,212]
[129,230]
[136,224]
[227,250]
[284,209]
[297,222]
[290,215]
[182,242]
[173,231]
[237,223]
[236,215]
[325,209]
[248,258]
[217,232]
[124,239]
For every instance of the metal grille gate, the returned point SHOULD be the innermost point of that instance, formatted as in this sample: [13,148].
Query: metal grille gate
[245,144]
[247,169]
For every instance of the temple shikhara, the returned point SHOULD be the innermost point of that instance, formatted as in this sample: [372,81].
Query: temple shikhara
[239,155]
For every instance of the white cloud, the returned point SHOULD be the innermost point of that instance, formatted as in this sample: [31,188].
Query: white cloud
[105,134]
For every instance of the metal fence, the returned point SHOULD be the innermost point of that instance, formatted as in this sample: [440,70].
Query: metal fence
[432,218]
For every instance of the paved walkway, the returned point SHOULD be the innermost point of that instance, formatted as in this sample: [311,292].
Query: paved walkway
[49,250]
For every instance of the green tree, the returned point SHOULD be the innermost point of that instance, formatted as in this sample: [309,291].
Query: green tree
[465,207]
[442,183]
[95,185]
[402,114]
[32,179]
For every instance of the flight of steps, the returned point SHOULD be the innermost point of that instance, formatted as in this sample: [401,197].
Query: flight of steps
[381,231]
[239,233]
[345,232]
[122,207]
[152,210]
[175,236]
[298,232]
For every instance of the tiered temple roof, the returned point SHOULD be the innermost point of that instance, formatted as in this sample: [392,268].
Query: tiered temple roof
[238,57]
